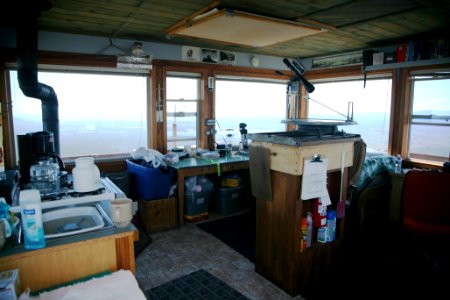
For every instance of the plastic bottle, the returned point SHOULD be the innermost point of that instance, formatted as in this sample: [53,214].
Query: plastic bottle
[33,229]
[309,230]
[304,234]
[398,164]
[322,234]
[319,215]
[86,175]
[331,224]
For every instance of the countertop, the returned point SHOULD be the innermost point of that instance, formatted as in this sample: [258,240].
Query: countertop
[12,248]
[199,161]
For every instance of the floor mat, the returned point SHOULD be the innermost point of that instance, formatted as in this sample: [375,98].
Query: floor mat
[237,231]
[196,285]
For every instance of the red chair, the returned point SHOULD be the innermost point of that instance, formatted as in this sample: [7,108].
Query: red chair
[426,204]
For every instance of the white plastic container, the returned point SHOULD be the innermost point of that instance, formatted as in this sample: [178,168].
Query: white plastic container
[33,230]
[86,175]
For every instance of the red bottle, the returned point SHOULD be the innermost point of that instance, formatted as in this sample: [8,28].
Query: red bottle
[319,213]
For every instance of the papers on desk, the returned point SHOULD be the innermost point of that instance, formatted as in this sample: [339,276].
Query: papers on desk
[314,180]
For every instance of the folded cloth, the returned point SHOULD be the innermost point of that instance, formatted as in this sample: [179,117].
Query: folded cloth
[119,285]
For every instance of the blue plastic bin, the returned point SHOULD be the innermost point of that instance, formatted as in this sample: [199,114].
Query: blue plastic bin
[149,183]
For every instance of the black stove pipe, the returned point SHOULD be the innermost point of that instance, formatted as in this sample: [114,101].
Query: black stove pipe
[27,75]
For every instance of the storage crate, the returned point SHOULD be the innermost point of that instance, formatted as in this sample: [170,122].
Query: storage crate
[196,205]
[157,215]
[228,200]
[149,183]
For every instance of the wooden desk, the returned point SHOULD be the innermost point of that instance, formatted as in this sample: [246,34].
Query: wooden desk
[202,166]
[71,258]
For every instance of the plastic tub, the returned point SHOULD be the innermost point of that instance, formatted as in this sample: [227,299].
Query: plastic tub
[149,183]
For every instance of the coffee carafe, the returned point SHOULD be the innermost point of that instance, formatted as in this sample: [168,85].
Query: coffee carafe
[37,157]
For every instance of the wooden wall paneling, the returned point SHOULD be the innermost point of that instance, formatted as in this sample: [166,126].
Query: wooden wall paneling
[401,112]
[158,96]
[206,111]
[9,153]
[151,110]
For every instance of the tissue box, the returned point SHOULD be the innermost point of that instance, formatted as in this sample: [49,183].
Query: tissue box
[9,284]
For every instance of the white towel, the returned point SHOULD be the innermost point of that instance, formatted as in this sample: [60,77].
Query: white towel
[119,285]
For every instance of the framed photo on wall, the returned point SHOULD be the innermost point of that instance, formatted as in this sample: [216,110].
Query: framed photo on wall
[189,53]
[210,56]
[227,58]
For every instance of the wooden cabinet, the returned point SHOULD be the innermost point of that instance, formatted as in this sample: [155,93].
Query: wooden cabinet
[278,226]
[58,264]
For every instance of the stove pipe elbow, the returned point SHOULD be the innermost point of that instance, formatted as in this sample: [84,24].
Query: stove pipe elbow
[27,75]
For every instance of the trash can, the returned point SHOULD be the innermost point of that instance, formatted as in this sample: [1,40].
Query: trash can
[228,200]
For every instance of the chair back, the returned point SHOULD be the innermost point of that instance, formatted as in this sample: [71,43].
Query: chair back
[426,203]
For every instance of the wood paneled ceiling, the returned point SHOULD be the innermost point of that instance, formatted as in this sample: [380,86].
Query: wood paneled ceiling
[349,25]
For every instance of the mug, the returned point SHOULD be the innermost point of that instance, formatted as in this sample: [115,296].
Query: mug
[121,212]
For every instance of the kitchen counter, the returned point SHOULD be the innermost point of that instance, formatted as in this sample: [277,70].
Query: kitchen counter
[203,162]
[70,258]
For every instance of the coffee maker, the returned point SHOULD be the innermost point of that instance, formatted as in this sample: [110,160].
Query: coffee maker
[243,145]
[38,149]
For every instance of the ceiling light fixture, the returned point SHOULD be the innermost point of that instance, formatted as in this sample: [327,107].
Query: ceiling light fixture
[239,28]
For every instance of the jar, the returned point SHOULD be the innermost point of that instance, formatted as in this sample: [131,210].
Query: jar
[44,177]
[86,175]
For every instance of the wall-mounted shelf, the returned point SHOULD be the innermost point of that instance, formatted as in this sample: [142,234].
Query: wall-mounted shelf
[409,64]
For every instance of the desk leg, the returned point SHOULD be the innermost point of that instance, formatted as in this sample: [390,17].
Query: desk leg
[180,197]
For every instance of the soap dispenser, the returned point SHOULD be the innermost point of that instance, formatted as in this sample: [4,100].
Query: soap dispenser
[33,229]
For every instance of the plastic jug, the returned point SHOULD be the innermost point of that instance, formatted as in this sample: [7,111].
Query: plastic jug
[86,175]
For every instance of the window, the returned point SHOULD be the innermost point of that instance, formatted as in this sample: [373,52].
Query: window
[183,96]
[429,136]
[371,108]
[100,114]
[259,104]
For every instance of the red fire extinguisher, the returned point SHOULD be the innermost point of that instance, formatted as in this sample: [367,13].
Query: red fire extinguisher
[319,213]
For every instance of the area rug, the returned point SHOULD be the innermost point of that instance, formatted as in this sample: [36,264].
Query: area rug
[237,231]
[196,285]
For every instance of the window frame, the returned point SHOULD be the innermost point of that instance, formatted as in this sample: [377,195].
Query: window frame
[90,71]
[61,60]
[400,104]
[412,75]
[258,80]
[341,115]
[190,75]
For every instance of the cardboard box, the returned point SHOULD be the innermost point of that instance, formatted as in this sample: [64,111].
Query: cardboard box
[157,215]
[10,284]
